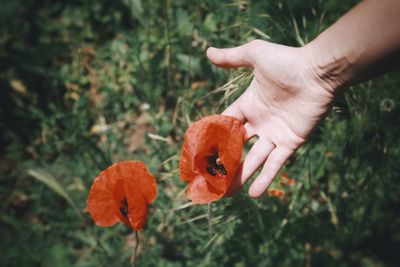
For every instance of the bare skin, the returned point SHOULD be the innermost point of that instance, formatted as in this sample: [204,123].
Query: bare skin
[293,88]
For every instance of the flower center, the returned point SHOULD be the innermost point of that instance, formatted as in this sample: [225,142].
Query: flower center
[215,166]
[123,208]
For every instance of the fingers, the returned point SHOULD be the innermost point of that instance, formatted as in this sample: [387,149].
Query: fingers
[256,156]
[273,164]
[250,132]
[240,56]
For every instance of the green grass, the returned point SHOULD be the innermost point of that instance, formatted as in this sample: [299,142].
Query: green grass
[85,84]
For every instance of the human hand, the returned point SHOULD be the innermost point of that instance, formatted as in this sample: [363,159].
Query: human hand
[281,106]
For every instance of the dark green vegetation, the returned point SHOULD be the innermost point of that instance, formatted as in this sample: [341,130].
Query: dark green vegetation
[86,83]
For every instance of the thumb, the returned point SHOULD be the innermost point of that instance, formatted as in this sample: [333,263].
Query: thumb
[240,56]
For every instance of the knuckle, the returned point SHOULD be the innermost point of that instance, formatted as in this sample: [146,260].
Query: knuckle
[256,43]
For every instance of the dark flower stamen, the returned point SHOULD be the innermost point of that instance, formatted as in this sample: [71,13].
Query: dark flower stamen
[215,166]
[124,208]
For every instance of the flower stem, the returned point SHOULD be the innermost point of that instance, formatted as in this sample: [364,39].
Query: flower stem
[135,250]
[209,220]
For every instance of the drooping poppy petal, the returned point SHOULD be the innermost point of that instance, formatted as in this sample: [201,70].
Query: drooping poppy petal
[199,191]
[122,192]
[211,154]
[101,203]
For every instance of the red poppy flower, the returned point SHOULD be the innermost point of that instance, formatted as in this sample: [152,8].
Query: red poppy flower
[211,154]
[122,192]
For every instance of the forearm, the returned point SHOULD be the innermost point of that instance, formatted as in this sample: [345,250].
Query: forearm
[360,45]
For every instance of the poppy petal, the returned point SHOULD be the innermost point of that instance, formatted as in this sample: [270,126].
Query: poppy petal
[200,192]
[137,207]
[136,173]
[140,191]
[141,178]
[101,203]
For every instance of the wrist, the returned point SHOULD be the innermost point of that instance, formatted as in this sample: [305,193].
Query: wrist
[331,67]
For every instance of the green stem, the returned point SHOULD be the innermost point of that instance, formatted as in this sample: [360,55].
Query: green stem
[135,250]
[209,220]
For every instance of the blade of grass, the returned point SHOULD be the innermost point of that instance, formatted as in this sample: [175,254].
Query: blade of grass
[54,185]
[212,239]
[203,216]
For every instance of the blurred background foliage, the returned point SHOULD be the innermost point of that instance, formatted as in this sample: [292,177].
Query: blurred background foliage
[87,83]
